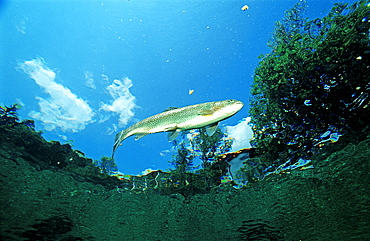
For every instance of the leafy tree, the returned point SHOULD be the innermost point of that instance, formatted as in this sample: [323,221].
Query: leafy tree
[197,144]
[210,146]
[106,165]
[315,79]
[9,117]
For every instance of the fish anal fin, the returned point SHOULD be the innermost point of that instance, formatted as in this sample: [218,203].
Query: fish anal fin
[138,136]
[206,112]
[211,129]
[172,135]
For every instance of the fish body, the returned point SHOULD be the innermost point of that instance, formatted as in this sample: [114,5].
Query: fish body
[176,120]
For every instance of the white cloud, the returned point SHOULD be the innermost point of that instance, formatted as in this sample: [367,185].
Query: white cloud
[164,152]
[242,134]
[20,102]
[63,137]
[21,27]
[105,78]
[123,101]
[113,129]
[63,109]
[89,80]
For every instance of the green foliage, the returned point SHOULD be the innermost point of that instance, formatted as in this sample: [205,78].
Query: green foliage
[183,159]
[315,79]
[9,117]
[106,165]
[210,146]
[199,145]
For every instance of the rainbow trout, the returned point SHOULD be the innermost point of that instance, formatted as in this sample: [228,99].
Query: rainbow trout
[175,120]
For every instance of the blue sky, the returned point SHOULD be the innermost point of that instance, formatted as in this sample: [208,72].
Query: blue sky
[87,69]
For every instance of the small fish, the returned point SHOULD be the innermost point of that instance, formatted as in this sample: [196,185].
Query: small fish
[175,120]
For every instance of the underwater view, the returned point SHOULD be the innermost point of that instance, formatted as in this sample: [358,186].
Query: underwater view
[185,120]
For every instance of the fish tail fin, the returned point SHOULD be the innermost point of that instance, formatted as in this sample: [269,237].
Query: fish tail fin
[120,136]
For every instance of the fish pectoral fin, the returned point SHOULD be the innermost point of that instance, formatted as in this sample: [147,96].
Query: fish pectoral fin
[206,112]
[171,127]
[211,129]
[138,136]
[172,135]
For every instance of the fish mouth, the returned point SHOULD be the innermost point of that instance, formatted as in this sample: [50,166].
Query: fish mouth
[233,108]
[238,105]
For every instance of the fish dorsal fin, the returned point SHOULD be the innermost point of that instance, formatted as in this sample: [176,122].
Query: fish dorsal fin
[211,129]
[206,112]
[171,108]
[172,135]
[138,136]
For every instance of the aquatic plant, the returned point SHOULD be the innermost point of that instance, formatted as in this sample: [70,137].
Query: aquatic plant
[315,80]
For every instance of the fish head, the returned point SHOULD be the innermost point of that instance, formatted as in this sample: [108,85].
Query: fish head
[228,107]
